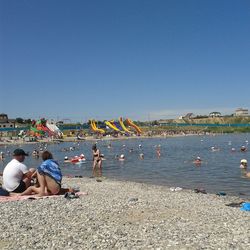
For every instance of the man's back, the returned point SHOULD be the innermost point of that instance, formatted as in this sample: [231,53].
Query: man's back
[13,174]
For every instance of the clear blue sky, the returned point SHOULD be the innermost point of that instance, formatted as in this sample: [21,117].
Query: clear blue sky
[135,58]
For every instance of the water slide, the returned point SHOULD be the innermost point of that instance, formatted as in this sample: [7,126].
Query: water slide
[94,127]
[36,131]
[118,125]
[130,123]
[54,129]
[111,125]
[123,126]
[41,126]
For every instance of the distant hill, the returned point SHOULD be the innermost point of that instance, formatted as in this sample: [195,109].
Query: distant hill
[214,120]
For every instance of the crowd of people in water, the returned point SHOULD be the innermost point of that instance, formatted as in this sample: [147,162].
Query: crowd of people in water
[18,179]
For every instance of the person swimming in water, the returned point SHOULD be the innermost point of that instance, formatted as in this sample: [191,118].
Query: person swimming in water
[243,164]
[35,153]
[82,157]
[197,161]
[122,157]
[215,149]
[141,156]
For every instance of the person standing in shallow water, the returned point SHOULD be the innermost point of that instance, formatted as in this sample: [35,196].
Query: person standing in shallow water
[158,151]
[97,161]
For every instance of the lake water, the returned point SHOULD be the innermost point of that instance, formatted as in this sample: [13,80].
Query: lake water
[218,172]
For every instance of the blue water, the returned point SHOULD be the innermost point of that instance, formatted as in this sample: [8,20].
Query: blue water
[219,171]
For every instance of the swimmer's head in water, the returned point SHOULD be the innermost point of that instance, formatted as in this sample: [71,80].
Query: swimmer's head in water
[66,158]
[122,156]
[243,161]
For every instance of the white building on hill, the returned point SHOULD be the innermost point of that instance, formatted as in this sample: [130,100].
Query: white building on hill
[241,112]
[5,122]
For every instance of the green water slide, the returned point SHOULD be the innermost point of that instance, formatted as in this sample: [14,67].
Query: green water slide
[36,130]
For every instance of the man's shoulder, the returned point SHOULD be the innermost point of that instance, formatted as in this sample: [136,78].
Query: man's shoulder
[17,163]
[12,162]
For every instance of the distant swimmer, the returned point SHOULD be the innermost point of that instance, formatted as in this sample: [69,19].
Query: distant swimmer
[82,157]
[243,164]
[122,157]
[140,146]
[233,150]
[103,157]
[158,152]
[243,149]
[215,149]
[66,159]
[197,161]
[1,156]
[141,156]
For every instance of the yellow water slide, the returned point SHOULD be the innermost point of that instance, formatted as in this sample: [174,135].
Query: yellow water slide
[130,123]
[112,125]
[123,126]
[94,127]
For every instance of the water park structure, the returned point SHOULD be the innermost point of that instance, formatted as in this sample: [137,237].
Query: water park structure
[120,126]
[95,128]
[43,127]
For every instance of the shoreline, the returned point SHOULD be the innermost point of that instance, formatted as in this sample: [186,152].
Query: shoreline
[69,139]
[125,215]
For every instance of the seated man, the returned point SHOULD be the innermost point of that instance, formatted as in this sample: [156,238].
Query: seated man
[16,175]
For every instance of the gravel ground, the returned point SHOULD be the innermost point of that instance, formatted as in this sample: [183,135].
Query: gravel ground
[125,215]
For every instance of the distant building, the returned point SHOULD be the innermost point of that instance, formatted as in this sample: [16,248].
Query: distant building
[241,112]
[215,114]
[188,116]
[59,123]
[5,122]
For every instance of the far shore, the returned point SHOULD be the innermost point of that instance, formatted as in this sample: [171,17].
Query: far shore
[89,138]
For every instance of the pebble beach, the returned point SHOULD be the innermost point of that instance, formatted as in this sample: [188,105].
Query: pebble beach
[124,215]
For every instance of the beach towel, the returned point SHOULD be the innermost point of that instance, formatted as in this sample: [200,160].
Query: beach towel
[34,197]
[245,206]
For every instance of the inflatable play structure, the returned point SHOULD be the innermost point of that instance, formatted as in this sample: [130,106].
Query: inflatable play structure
[111,124]
[123,126]
[42,127]
[120,126]
[95,128]
[131,124]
